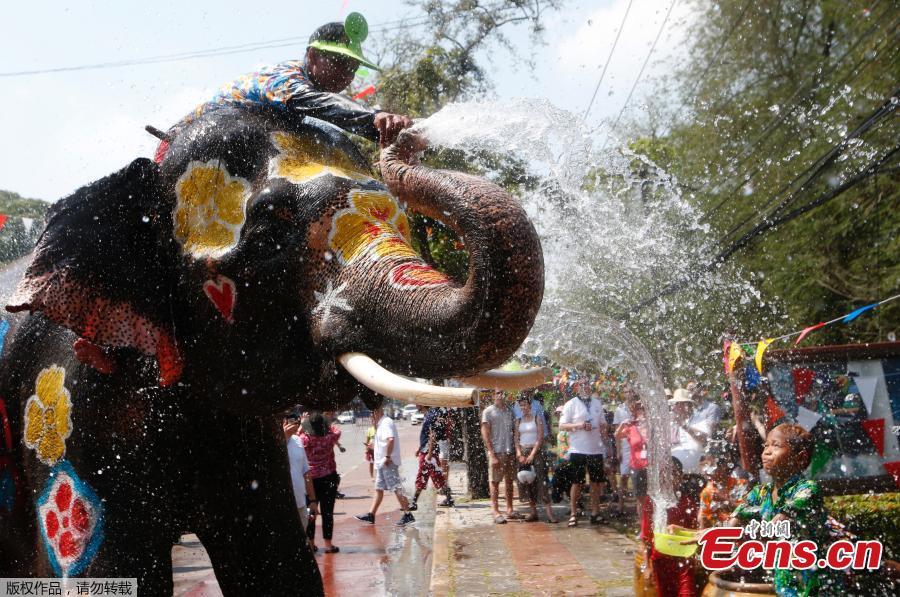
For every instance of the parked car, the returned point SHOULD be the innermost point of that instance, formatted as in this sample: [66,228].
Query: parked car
[409,410]
[345,417]
[417,418]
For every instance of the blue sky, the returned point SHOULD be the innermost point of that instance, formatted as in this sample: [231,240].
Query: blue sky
[65,129]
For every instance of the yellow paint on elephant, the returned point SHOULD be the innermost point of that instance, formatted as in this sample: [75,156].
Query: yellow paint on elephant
[301,159]
[371,224]
[48,421]
[209,213]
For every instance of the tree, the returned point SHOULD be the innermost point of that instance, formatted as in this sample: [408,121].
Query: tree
[768,89]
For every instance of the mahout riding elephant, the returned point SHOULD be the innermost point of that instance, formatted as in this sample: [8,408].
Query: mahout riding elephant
[174,310]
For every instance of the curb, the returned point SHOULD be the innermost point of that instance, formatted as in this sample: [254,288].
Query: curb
[440,555]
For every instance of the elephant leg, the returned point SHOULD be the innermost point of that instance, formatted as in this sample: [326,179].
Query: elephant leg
[246,517]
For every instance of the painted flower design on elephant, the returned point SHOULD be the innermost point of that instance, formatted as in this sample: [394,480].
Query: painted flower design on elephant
[48,421]
[209,212]
[300,160]
[70,516]
[371,224]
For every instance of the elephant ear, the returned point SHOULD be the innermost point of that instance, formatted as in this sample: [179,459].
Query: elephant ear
[104,269]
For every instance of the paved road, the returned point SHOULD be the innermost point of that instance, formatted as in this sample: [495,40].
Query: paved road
[374,560]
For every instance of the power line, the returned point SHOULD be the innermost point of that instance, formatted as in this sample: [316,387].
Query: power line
[608,60]
[641,72]
[816,168]
[869,170]
[208,53]
[810,86]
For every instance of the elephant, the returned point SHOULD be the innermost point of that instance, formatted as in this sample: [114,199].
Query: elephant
[172,311]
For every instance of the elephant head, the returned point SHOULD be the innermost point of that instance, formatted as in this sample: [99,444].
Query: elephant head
[257,256]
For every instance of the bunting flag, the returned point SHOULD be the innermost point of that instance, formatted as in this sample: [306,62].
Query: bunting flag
[735,352]
[851,316]
[807,418]
[821,456]
[866,387]
[365,92]
[803,379]
[774,414]
[875,430]
[751,376]
[760,351]
[728,347]
[805,331]
[894,469]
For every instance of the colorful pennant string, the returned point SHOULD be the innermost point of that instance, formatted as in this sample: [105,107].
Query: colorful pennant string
[732,351]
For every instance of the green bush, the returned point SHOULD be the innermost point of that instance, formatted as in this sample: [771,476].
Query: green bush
[871,517]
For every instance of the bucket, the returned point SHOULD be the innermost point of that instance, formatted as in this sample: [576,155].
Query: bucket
[720,585]
[671,544]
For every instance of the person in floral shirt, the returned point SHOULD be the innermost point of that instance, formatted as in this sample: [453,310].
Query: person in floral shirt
[723,491]
[788,451]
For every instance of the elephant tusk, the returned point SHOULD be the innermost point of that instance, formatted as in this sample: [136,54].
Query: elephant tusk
[378,379]
[509,380]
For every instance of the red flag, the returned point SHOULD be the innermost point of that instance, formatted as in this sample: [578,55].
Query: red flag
[365,92]
[2,221]
[803,379]
[875,430]
[811,328]
[773,413]
[894,469]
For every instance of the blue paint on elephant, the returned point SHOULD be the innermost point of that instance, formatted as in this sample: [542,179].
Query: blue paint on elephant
[4,328]
[69,506]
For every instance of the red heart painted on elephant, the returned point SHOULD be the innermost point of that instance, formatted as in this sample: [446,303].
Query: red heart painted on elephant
[223,295]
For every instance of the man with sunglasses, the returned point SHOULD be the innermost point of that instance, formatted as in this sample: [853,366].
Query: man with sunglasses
[310,87]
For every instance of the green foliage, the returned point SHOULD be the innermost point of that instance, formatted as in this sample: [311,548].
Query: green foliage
[15,240]
[769,87]
[870,517]
[13,204]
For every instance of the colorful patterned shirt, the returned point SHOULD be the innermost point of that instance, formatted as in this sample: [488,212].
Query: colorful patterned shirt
[800,500]
[718,501]
[286,87]
[320,452]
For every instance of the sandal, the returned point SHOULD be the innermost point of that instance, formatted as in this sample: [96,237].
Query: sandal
[332,549]
[499,520]
[531,518]
[514,516]
[573,521]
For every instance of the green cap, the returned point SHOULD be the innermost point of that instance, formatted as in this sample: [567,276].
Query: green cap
[348,43]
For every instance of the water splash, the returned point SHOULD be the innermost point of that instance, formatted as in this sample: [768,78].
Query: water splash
[614,228]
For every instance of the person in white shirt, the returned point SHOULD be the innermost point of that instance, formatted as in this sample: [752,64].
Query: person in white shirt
[585,421]
[387,468]
[304,492]
[707,413]
[688,437]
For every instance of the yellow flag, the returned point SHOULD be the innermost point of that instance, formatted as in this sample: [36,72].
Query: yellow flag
[760,350]
[735,352]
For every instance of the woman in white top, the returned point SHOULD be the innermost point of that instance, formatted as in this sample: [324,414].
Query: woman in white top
[529,437]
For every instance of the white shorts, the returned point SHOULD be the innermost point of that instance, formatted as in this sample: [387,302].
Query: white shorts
[387,478]
[444,449]
[624,459]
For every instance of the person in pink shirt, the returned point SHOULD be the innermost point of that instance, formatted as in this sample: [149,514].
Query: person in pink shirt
[319,444]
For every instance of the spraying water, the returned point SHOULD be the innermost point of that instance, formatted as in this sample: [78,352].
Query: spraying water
[614,228]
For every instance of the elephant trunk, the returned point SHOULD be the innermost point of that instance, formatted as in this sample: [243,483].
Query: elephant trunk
[449,329]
